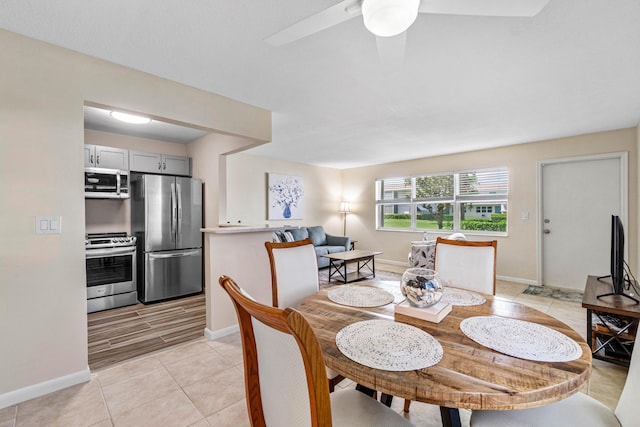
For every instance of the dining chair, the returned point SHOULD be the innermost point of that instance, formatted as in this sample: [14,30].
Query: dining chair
[284,371]
[465,264]
[577,410]
[294,276]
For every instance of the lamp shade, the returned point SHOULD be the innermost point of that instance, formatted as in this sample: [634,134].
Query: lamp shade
[387,18]
[345,207]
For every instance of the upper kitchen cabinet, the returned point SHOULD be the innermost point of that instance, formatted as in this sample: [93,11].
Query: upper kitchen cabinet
[141,161]
[98,156]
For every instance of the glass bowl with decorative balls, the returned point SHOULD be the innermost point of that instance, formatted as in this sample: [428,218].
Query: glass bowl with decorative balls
[421,286]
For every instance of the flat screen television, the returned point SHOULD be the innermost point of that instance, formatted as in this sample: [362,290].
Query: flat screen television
[618,278]
[617,255]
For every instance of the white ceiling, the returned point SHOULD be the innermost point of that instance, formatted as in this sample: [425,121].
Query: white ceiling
[466,83]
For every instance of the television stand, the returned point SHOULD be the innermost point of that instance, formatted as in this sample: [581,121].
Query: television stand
[610,341]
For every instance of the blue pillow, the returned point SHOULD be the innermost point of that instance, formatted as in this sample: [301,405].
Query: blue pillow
[318,236]
[299,233]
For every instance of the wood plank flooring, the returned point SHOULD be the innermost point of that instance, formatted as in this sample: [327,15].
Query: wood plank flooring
[123,333]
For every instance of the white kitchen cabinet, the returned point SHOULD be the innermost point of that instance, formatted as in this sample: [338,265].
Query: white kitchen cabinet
[141,161]
[99,156]
[176,165]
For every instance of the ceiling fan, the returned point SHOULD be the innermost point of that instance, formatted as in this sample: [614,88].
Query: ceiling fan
[389,18]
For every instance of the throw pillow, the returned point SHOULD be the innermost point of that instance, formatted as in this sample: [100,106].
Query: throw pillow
[299,233]
[318,236]
[288,237]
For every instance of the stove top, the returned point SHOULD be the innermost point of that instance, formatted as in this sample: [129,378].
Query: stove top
[108,240]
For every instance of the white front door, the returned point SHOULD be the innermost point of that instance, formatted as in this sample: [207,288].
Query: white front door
[578,198]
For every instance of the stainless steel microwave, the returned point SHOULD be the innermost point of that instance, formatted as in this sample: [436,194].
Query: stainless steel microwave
[102,183]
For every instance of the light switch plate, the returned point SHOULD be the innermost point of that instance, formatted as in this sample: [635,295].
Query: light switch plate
[48,224]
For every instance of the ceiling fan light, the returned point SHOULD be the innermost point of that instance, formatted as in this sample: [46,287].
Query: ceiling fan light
[130,118]
[387,18]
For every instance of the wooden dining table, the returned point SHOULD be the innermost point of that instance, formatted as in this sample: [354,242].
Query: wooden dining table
[469,375]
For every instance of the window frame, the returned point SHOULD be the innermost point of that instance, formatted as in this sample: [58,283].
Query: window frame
[457,200]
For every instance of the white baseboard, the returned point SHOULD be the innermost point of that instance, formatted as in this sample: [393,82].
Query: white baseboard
[392,262]
[46,387]
[214,335]
[517,280]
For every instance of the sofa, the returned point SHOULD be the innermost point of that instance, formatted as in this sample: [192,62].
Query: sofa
[323,243]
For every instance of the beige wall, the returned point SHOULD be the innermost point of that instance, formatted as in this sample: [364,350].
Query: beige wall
[517,253]
[247,192]
[43,297]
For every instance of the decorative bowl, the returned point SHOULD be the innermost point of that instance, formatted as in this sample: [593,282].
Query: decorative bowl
[421,286]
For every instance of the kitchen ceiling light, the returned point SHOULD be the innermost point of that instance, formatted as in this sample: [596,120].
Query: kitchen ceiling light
[130,118]
[387,18]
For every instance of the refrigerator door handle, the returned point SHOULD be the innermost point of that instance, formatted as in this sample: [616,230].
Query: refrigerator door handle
[179,219]
[174,211]
[173,255]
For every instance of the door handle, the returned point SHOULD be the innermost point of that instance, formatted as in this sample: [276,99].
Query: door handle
[174,212]
[545,231]
[173,255]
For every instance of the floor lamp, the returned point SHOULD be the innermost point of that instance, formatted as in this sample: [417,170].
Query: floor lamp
[345,208]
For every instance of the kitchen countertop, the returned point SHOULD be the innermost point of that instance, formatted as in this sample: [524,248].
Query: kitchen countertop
[233,229]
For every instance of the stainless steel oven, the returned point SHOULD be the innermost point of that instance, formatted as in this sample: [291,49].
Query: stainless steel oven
[111,271]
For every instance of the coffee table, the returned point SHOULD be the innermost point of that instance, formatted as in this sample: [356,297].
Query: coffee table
[338,264]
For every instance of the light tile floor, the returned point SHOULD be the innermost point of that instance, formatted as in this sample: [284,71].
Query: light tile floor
[200,384]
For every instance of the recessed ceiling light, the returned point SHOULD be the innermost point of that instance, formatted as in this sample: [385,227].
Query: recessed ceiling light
[130,118]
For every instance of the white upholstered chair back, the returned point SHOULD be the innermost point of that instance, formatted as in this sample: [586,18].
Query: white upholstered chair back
[467,265]
[283,382]
[628,409]
[294,272]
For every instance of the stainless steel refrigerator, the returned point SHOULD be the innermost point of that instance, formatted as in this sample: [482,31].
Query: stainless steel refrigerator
[166,218]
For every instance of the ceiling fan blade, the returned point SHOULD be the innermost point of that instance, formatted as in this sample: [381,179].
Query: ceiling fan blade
[525,8]
[334,15]
[391,51]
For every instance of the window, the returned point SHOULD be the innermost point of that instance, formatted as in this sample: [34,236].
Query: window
[468,201]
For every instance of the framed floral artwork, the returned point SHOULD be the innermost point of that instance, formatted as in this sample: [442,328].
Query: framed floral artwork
[285,197]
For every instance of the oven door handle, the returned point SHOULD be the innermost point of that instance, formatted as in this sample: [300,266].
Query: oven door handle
[173,255]
[98,253]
